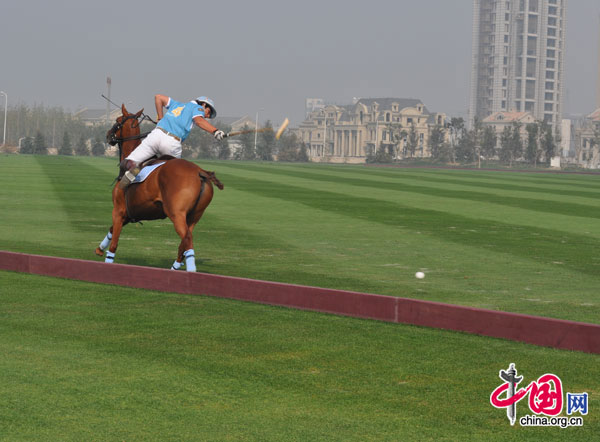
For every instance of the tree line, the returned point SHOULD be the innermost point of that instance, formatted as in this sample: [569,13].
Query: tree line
[454,143]
[248,146]
[38,128]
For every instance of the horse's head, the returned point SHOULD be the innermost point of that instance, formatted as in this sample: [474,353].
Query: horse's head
[126,128]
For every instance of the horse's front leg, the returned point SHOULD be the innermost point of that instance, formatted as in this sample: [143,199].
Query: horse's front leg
[105,242]
[119,215]
[114,242]
[178,261]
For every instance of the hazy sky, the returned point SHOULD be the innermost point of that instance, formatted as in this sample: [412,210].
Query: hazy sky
[260,54]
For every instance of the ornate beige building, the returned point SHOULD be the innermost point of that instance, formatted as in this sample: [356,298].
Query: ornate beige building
[587,148]
[348,134]
[501,120]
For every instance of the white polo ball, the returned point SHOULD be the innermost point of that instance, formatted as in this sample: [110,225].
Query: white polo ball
[419,275]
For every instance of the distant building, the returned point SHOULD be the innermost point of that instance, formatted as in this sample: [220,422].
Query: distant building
[235,124]
[500,120]
[518,58]
[313,104]
[348,134]
[598,70]
[96,117]
[587,141]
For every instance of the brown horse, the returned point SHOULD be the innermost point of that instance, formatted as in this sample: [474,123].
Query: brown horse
[178,189]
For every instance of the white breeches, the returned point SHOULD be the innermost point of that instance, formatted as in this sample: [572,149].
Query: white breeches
[156,143]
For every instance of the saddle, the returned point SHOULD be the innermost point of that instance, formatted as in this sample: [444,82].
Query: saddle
[150,162]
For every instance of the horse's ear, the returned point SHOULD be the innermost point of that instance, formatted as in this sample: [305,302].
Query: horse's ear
[139,113]
[124,110]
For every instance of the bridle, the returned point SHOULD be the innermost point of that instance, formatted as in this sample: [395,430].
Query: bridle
[111,135]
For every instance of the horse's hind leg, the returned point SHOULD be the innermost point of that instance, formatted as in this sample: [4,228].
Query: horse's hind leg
[180,256]
[186,246]
[105,242]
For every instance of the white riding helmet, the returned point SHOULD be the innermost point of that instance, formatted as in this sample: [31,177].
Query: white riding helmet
[209,103]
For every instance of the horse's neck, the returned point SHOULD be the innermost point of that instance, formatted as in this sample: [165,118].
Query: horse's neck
[128,147]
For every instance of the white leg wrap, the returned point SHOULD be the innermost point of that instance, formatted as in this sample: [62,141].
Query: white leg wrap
[176,265]
[106,241]
[190,260]
[110,257]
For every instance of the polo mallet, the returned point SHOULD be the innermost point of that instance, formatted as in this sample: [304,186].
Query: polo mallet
[264,129]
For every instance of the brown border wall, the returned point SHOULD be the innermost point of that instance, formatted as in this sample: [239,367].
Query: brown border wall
[547,332]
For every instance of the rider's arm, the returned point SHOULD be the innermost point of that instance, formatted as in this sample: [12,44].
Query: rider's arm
[160,101]
[203,124]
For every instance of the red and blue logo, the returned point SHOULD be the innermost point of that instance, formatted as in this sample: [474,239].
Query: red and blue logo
[545,400]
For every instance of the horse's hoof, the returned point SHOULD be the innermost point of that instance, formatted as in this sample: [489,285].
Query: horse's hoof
[99,251]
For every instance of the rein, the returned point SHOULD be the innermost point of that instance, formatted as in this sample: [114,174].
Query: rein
[111,136]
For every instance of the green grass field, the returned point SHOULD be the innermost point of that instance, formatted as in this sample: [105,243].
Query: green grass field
[88,361]
[517,242]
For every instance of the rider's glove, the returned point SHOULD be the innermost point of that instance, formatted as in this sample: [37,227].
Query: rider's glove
[219,134]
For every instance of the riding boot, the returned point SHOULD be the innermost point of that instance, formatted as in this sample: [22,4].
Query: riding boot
[132,169]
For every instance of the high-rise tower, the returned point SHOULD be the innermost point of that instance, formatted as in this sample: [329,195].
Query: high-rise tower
[598,73]
[517,58]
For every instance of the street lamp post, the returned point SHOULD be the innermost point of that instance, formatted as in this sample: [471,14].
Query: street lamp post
[324,132]
[256,129]
[5,112]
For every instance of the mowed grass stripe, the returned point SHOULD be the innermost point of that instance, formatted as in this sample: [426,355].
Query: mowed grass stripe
[547,245]
[586,190]
[479,179]
[73,181]
[558,181]
[27,198]
[546,193]
[526,177]
[507,177]
[547,204]
[475,209]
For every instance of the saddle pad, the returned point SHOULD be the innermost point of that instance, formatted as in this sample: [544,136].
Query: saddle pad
[146,171]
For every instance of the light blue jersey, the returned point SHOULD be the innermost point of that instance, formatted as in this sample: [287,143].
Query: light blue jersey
[179,117]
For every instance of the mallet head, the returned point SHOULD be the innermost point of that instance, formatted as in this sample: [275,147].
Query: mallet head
[282,128]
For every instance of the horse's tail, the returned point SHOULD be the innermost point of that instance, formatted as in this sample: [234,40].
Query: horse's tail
[205,174]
